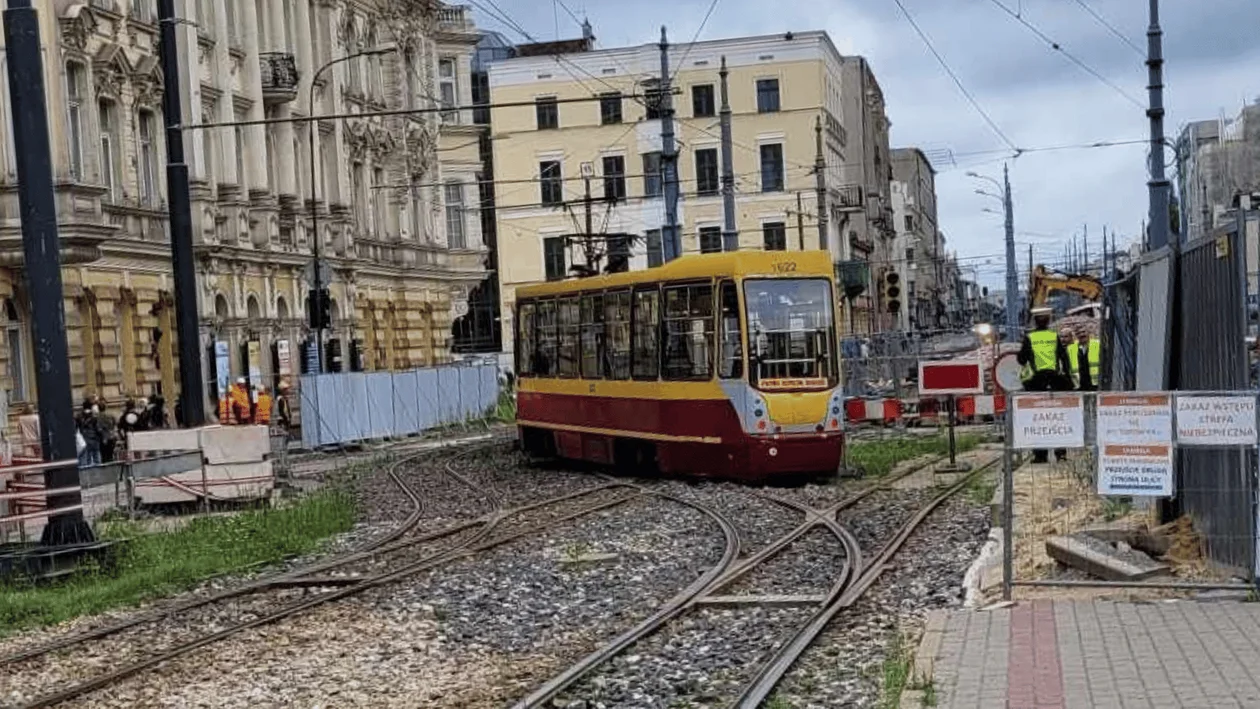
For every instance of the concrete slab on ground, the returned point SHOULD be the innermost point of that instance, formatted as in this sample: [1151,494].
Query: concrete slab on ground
[1096,654]
[1098,558]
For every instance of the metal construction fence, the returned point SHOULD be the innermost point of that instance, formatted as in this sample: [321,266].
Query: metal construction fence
[358,406]
[1124,451]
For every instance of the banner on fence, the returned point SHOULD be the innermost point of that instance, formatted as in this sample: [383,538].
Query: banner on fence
[1216,420]
[1135,470]
[1045,421]
[1138,419]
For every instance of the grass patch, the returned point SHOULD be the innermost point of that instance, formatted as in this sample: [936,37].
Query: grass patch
[896,672]
[158,564]
[878,458]
[980,490]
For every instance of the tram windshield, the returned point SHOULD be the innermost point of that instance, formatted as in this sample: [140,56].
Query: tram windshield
[791,333]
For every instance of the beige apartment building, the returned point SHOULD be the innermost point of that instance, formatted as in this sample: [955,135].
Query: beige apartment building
[396,196]
[780,86]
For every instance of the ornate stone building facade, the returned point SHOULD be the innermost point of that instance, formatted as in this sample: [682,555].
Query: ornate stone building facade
[396,195]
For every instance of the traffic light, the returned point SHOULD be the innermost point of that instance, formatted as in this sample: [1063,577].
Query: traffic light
[326,311]
[892,291]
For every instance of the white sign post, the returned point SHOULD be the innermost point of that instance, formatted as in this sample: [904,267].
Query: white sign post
[1216,420]
[1043,421]
[1135,445]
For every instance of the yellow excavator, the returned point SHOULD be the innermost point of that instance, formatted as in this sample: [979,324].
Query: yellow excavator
[1045,282]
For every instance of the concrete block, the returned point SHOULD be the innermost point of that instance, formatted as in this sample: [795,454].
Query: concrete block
[1098,558]
[235,444]
[241,481]
[187,439]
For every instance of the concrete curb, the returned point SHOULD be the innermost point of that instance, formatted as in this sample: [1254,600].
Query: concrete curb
[923,663]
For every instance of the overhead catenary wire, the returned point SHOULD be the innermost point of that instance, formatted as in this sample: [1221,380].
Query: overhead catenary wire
[683,59]
[1056,46]
[957,81]
[1112,28]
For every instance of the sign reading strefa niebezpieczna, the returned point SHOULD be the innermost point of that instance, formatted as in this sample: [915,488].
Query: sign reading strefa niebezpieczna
[1135,452]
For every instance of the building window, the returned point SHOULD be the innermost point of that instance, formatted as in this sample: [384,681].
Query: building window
[767,95]
[710,240]
[109,149]
[610,108]
[552,182]
[548,112]
[772,167]
[144,10]
[553,258]
[909,222]
[234,37]
[455,236]
[702,101]
[652,99]
[449,89]
[775,236]
[655,254]
[148,159]
[379,200]
[358,195]
[238,134]
[15,339]
[910,255]
[74,105]
[417,213]
[707,171]
[652,180]
[614,178]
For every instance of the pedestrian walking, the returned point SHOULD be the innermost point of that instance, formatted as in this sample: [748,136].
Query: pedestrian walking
[93,433]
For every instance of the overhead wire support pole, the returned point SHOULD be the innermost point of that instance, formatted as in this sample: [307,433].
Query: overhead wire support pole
[1158,185]
[820,183]
[192,400]
[670,239]
[730,236]
[37,211]
[1012,279]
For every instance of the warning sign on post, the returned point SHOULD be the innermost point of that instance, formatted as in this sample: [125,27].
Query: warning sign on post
[1044,421]
[1216,420]
[1144,470]
[1140,419]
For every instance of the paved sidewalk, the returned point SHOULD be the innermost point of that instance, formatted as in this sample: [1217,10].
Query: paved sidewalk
[1080,655]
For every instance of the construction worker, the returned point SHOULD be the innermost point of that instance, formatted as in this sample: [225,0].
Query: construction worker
[262,407]
[1090,352]
[1047,356]
[242,407]
[284,414]
[225,408]
[1073,350]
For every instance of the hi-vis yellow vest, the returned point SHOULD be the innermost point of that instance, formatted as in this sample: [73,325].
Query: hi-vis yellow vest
[1095,359]
[1045,347]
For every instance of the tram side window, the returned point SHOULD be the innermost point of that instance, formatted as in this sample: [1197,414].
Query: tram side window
[688,332]
[525,341]
[593,364]
[545,360]
[732,365]
[617,337]
[646,348]
[570,324]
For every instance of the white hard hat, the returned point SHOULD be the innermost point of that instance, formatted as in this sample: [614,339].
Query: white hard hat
[240,380]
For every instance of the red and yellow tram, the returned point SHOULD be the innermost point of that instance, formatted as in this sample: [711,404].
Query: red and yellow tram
[718,365]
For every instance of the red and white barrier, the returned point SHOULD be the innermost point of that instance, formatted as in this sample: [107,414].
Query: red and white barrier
[977,408]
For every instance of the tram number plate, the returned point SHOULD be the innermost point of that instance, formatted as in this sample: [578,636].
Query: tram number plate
[784,267]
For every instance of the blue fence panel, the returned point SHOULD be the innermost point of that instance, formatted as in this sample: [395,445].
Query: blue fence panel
[448,395]
[380,404]
[406,396]
[427,389]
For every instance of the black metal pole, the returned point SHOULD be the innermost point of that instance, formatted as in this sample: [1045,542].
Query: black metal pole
[953,450]
[191,396]
[41,248]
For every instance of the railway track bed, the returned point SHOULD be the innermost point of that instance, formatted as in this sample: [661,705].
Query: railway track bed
[484,606]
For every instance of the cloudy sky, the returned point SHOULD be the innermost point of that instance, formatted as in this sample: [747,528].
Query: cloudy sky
[1035,95]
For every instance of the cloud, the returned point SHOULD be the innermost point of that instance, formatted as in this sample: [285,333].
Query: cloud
[1034,93]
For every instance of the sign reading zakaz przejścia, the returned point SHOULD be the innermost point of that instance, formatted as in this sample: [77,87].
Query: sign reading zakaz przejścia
[1135,444]
[1042,421]
[1216,420]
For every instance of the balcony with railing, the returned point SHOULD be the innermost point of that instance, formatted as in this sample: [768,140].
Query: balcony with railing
[279,77]
[849,197]
[455,18]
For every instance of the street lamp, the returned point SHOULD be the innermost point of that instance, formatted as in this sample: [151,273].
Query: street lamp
[317,301]
[1012,280]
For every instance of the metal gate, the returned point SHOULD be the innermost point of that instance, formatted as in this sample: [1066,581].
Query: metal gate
[1215,487]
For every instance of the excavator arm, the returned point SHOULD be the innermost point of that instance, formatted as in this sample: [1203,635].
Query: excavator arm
[1045,282]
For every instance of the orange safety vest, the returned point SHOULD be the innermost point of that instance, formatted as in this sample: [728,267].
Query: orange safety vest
[225,410]
[240,404]
[263,409]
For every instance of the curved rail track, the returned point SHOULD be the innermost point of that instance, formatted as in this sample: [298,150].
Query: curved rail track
[852,580]
[536,517]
